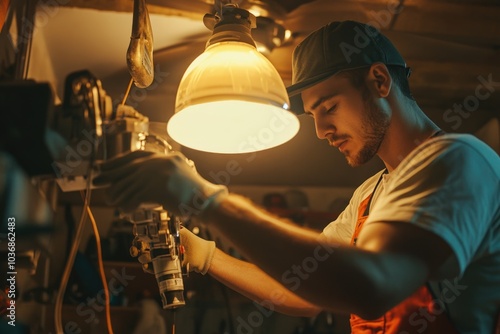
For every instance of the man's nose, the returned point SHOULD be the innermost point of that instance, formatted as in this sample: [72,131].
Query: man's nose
[322,128]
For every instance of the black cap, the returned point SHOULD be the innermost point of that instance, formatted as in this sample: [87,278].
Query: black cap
[337,47]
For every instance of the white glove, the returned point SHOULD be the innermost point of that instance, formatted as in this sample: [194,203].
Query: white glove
[170,180]
[198,252]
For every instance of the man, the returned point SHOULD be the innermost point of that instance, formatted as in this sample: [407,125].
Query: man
[418,247]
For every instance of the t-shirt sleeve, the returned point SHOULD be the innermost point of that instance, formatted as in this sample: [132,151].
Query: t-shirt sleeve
[447,187]
[342,228]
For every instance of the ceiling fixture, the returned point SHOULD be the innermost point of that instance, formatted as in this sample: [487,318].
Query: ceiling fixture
[269,34]
[231,99]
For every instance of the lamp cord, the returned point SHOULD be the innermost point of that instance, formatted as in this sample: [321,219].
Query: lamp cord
[127,91]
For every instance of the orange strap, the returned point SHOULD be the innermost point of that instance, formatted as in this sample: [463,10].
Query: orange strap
[399,319]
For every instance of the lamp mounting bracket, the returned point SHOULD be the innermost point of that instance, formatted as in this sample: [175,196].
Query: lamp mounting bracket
[232,24]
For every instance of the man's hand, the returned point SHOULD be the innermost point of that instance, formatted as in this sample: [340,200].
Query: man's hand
[169,180]
[198,252]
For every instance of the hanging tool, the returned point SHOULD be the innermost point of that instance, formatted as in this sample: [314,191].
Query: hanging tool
[140,50]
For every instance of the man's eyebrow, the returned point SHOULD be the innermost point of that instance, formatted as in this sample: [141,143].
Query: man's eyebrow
[321,100]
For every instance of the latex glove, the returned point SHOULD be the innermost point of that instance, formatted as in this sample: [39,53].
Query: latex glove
[170,180]
[198,252]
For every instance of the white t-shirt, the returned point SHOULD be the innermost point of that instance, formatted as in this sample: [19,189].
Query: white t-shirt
[449,185]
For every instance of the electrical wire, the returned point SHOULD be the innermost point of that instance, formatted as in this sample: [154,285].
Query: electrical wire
[71,260]
[127,91]
[101,271]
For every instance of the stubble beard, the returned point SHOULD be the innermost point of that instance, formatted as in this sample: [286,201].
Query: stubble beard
[374,127]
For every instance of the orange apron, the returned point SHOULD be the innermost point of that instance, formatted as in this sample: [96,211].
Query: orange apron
[413,315]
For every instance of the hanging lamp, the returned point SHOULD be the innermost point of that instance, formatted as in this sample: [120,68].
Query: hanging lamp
[231,99]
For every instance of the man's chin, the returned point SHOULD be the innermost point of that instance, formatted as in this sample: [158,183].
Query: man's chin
[358,160]
[353,162]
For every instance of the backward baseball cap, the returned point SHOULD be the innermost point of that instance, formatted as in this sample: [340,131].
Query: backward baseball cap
[336,47]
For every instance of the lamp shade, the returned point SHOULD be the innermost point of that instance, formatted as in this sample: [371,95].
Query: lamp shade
[231,99]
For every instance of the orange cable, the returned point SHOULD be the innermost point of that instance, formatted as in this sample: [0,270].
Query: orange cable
[101,271]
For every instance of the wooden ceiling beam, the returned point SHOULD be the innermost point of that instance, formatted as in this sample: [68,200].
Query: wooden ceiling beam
[471,22]
[455,81]
[463,123]
[190,9]
[459,21]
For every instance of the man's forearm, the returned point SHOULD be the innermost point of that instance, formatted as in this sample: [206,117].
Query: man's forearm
[252,282]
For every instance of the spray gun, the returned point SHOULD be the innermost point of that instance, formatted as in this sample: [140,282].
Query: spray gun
[156,242]
[157,247]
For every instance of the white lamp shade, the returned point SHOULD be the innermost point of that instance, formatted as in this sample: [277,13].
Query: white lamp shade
[231,99]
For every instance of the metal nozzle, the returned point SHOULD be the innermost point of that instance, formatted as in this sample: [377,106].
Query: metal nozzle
[168,274]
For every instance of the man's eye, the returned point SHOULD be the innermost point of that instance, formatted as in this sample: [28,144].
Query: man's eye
[332,109]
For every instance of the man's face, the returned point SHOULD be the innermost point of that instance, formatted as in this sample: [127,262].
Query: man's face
[348,117]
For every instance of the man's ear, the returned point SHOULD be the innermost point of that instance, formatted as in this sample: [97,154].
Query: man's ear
[379,79]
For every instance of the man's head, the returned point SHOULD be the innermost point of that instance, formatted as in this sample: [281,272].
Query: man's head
[350,67]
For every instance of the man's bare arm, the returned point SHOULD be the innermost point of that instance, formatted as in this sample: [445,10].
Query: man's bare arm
[252,282]
[366,280]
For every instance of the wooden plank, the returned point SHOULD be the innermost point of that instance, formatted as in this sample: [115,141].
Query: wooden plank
[473,22]
[454,122]
[467,22]
[191,9]
[455,81]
